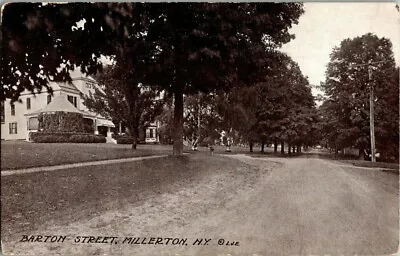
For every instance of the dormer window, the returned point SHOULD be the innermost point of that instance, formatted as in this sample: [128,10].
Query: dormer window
[28,103]
[12,109]
[73,100]
[90,85]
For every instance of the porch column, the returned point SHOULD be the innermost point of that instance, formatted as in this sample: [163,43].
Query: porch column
[109,133]
[27,129]
[96,131]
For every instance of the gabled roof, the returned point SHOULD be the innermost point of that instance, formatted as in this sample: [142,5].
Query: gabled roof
[63,86]
[78,74]
[59,103]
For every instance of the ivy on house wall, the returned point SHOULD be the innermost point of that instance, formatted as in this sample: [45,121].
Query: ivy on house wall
[61,122]
[88,125]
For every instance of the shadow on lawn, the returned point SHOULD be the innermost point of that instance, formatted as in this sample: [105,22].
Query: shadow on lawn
[29,201]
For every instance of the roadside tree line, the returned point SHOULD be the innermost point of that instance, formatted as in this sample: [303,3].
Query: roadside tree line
[279,109]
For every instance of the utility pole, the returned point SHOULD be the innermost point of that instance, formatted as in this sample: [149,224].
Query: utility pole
[370,65]
[371,113]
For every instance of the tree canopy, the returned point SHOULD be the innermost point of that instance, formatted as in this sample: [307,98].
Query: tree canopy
[347,87]
[180,47]
[124,100]
[277,109]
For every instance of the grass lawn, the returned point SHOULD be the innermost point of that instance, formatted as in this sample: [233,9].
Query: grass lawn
[20,154]
[362,163]
[33,200]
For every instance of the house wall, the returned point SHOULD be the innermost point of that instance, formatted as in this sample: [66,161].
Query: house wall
[38,101]
[86,86]
[152,133]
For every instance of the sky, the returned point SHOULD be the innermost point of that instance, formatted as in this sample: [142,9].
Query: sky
[324,25]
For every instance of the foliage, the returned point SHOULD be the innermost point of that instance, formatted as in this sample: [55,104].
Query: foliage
[88,125]
[166,119]
[347,86]
[125,139]
[66,137]
[199,118]
[181,47]
[61,122]
[278,108]
[124,100]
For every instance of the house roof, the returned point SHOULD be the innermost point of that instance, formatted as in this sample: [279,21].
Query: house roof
[59,103]
[78,74]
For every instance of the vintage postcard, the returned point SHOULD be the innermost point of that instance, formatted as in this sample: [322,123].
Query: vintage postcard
[200,128]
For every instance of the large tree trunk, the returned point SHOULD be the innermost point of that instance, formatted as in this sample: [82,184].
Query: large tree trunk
[134,132]
[289,149]
[251,146]
[282,147]
[262,147]
[298,149]
[178,123]
[294,149]
[275,146]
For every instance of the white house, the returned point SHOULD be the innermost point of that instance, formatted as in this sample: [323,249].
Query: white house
[20,118]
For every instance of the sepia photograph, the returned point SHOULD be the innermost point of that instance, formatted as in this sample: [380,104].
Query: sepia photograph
[200,128]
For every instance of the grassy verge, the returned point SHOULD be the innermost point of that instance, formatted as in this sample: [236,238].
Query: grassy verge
[361,163]
[18,155]
[31,200]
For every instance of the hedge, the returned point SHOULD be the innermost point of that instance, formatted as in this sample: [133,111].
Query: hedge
[66,137]
[124,139]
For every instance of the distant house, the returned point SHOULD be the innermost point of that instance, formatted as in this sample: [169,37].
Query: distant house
[20,118]
[149,134]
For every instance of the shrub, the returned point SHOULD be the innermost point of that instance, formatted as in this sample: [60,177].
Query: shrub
[125,139]
[66,137]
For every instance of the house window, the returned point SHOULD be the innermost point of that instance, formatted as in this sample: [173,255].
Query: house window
[3,117]
[89,85]
[12,109]
[72,99]
[48,99]
[151,133]
[13,128]
[28,103]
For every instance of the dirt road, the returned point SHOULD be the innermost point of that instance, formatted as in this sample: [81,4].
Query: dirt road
[296,206]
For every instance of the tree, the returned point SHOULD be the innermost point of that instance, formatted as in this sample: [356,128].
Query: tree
[347,88]
[235,115]
[285,109]
[124,100]
[279,108]
[181,47]
[166,119]
[198,118]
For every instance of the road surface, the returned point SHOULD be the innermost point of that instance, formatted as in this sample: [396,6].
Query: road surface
[295,206]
